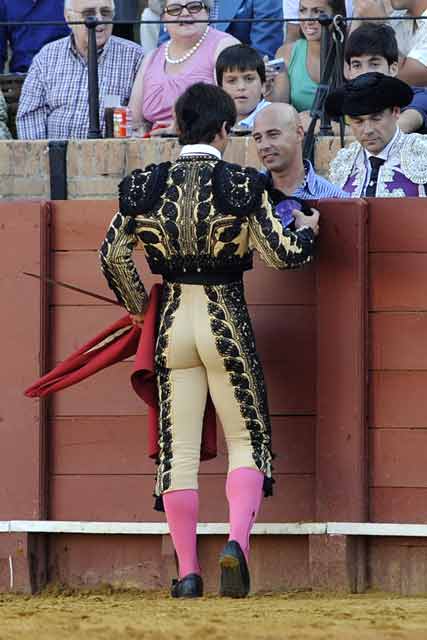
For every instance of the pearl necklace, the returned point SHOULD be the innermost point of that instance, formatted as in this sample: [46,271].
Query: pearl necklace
[188,54]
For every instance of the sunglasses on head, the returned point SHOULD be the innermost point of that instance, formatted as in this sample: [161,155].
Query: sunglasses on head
[175,10]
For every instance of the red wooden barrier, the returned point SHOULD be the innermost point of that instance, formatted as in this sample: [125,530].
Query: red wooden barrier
[310,327]
[398,360]
[23,479]
[283,314]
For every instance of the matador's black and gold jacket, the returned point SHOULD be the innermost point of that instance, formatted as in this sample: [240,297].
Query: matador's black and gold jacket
[198,215]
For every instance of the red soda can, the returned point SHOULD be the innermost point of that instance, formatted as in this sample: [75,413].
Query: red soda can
[122,122]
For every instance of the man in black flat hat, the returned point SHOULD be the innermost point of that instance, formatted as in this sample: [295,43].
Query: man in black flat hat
[384,162]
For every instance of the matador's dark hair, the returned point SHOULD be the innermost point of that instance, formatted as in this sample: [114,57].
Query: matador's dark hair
[201,111]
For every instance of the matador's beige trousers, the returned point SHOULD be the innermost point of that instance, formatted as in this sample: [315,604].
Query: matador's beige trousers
[206,342]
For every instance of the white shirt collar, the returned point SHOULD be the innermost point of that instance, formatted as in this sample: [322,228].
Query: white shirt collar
[200,150]
[385,152]
[248,121]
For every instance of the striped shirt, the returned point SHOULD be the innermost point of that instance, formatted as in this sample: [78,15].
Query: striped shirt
[54,101]
[314,186]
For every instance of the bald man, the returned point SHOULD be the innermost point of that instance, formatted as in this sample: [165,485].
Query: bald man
[278,135]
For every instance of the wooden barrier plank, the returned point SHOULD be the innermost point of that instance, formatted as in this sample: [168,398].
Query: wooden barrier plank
[286,343]
[397,225]
[118,445]
[23,469]
[81,225]
[341,325]
[398,458]
[82,268]
[129,499]
[398,399]
[396,339]
[74,326]
[79,560]
[23,235]
[108,393]
[398,565]
[263,285]
[391,504]
[397,281]
[279,564]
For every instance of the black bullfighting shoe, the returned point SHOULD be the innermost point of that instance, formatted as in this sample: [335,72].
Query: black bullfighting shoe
[235,581]
[190,586]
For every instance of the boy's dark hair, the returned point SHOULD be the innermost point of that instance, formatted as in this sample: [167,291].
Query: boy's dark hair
[372,39]
[239,57]
[201,111]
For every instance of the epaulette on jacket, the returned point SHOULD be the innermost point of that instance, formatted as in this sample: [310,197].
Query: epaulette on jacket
[142,189]
[342,164]
[237,190]
[413,156]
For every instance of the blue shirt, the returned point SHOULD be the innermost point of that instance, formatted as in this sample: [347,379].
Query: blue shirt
[26,41]
[419,103]
[315,187]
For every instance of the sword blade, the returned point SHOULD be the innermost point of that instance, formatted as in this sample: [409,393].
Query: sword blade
[72,287]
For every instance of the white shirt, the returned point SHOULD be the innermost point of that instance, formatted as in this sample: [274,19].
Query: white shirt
[200,150]
[383,155]
[411,36]
[149,33]
[248,121]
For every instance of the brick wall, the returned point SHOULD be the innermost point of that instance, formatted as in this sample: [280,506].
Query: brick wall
[24,169]
[94,168]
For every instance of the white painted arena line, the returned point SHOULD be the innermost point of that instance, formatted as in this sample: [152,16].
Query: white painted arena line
[216,528]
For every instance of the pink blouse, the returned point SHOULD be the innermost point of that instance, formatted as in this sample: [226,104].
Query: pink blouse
[161,89]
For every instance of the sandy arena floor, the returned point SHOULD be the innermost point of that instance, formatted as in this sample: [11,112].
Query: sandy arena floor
[153,616]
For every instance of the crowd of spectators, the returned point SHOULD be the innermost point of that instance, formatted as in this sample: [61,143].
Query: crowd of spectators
[226,42]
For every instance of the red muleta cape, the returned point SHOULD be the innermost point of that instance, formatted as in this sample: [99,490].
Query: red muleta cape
[116,343]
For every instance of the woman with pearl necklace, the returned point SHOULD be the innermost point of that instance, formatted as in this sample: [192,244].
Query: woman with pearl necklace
[188,57]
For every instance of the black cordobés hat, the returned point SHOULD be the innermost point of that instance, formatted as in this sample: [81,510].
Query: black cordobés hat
[368,93]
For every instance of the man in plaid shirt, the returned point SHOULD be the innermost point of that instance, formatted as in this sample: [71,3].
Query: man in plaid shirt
[54,100]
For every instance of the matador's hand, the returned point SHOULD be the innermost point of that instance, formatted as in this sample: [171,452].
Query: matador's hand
[137,319]
[311,221]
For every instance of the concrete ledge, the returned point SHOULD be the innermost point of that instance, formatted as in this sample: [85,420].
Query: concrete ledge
[95,167]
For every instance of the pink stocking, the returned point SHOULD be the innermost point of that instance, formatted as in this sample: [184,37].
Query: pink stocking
[244,494]
[182,509]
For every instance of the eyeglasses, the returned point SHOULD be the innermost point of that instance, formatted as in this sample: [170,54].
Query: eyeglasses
[104,12]
[175,10]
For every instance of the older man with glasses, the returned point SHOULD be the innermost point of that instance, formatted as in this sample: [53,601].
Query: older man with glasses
[54,98]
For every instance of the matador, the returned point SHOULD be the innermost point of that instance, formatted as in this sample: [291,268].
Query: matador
[199,220]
